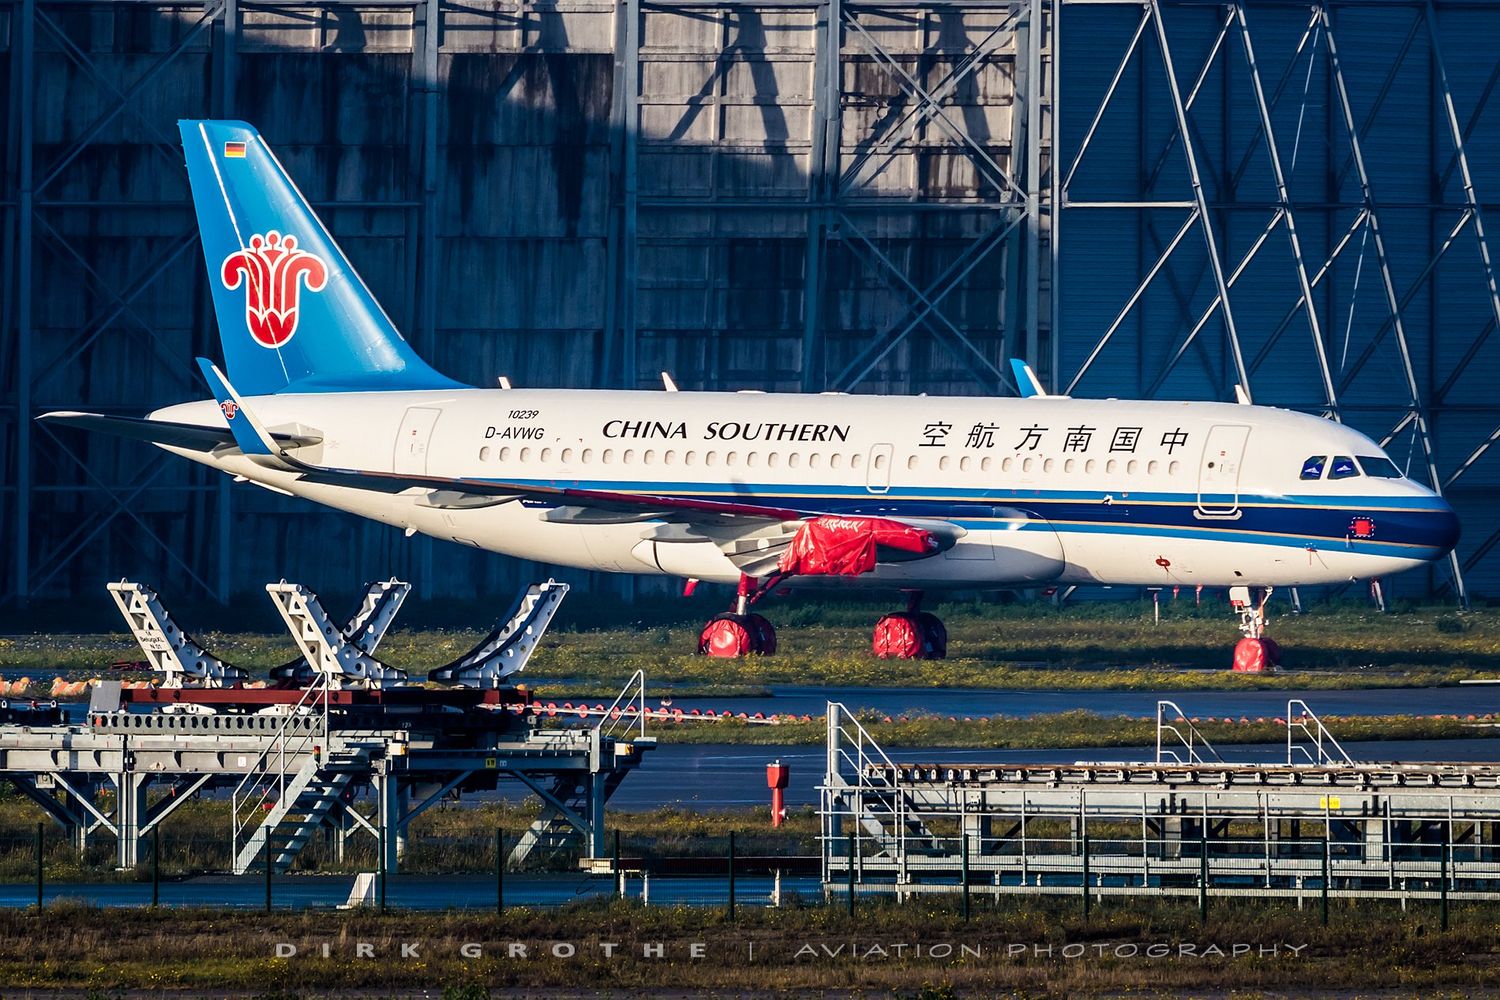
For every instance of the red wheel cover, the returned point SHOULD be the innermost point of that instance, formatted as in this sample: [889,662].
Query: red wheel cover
[1251,656]
[898,636]
[725,637]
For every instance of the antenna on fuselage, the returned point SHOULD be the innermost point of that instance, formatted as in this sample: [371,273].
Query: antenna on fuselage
[667,383]
[1240,395]
[504,381]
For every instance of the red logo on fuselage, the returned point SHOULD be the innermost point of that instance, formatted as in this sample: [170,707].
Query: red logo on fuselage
[273,271]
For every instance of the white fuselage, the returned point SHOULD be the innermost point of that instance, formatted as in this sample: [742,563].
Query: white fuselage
[1046,489]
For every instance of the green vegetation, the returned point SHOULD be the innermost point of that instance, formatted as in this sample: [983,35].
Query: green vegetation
[1367,946]
[1034,646]
[1064,730]
[446,839]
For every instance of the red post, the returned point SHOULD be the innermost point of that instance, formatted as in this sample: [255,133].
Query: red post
[778,775]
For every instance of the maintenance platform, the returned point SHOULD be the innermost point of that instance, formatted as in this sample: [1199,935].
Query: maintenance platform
[298,756]
[1185,823]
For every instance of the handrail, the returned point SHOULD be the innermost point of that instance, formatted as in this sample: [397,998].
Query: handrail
[260,770]
[1192,742]
[632,695]
[1316,736]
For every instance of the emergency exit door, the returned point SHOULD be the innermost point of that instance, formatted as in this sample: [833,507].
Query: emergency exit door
[1219,470]
[413,440]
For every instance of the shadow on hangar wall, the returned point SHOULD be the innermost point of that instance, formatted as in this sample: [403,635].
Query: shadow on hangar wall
[515,237]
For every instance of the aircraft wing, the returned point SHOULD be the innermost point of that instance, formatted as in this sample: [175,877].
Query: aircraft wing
[757,538]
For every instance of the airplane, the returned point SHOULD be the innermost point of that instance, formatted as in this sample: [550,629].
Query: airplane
[322,398]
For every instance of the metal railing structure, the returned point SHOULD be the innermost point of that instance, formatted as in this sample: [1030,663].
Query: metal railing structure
[1172,742]
[1320,747]
[1166,828]
[301,736]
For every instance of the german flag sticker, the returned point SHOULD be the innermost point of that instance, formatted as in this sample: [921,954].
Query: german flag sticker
[234,150]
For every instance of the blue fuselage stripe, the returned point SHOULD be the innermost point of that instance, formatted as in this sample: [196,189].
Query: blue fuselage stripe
[1409,526]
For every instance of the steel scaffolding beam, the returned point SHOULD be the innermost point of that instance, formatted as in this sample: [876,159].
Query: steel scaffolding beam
[973,270]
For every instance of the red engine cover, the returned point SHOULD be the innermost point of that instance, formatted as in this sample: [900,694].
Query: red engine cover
[832,545]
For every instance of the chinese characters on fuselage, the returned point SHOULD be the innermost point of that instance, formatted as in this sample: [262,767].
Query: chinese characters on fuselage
[1038,437]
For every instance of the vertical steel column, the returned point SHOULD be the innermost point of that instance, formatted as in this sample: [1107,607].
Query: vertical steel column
[1457,135]
[425,66]
[1032,290]
[1284,200]
[25,56]
[619,360]
[1398,326]
[1058,192]
[822,184]
[226,81]
[1216,265]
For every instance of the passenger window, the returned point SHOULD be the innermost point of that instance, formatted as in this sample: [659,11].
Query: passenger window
[609,455]
[963,464]
[567,454]
[588,455]
[943,463]
[1380,468]
[984,464]
[1313,467]
[911,463]
[546,454]
[1343,468]
[794,460]
[484,453]
[505,454]
[670,458]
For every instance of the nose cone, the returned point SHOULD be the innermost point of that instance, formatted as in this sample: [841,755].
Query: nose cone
[1443,529]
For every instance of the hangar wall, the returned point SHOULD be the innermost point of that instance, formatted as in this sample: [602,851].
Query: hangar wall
[792,194]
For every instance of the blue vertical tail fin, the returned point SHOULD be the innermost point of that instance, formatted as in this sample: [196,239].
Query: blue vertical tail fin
[293,314]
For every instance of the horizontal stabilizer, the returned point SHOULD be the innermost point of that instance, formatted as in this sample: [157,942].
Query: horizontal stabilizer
[164,432]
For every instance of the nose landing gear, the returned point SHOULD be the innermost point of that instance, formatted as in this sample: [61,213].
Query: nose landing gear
[1256,653]
[912,634]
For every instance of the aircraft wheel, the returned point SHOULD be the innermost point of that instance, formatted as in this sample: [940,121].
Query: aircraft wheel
[732,635]
[763,634]
[1255,656]
[898,636]
[935,634]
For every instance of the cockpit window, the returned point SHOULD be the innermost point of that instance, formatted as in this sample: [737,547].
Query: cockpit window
[1379,467]
[1313,467]
[1343,468]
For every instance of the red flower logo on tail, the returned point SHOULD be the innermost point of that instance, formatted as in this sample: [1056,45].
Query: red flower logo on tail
[273,271]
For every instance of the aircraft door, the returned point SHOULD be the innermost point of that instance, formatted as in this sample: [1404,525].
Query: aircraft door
[1219,470]
[413,440]
[878,468]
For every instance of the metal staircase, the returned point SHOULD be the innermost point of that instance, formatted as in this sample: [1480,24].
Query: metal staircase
[310,794]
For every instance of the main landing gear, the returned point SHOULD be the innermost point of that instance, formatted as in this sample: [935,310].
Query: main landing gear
[1256,653]
[912,634]
[739,632]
